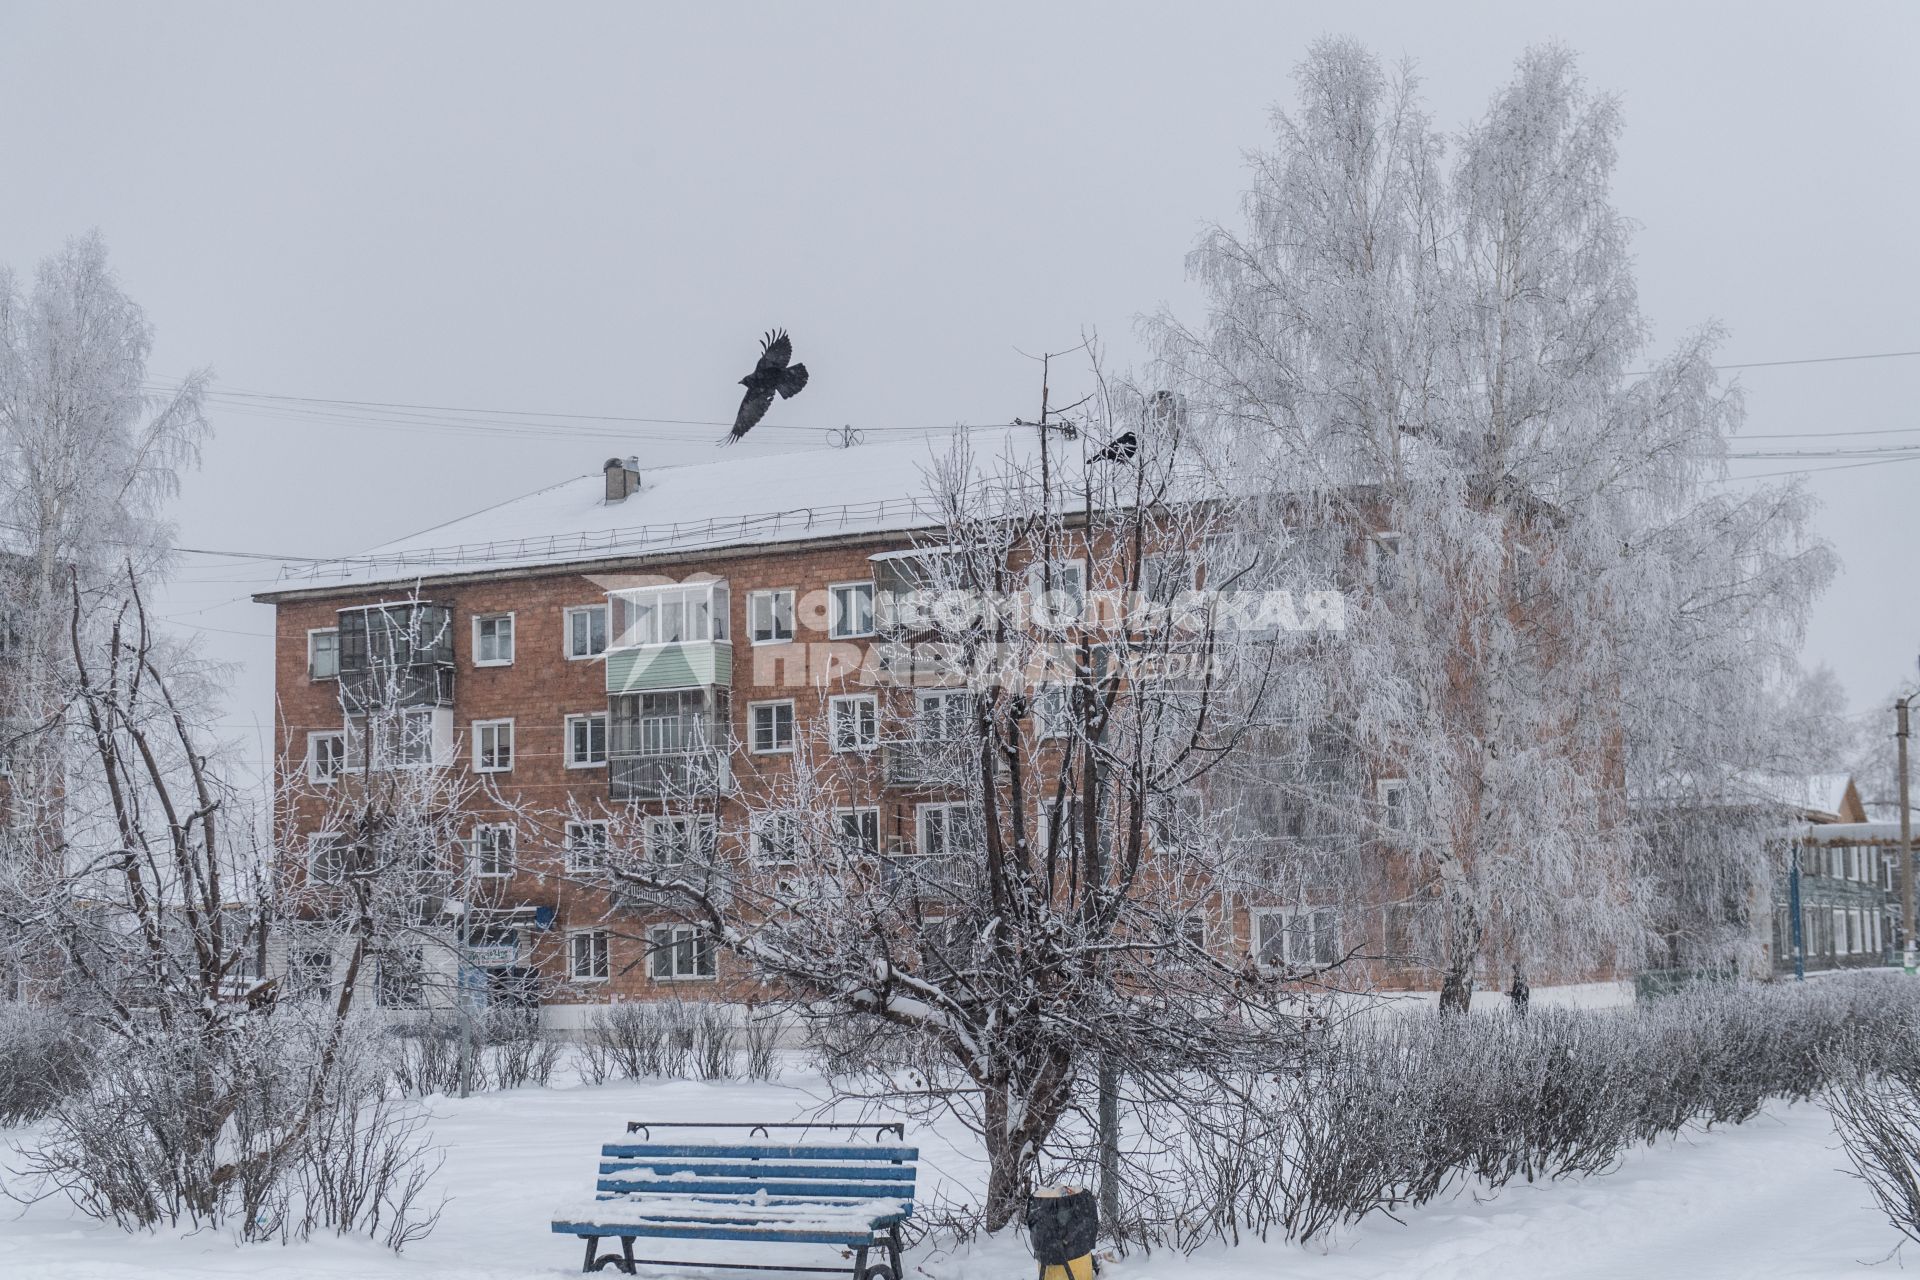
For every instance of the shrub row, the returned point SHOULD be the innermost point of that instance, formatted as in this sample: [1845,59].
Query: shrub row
[1371,1118]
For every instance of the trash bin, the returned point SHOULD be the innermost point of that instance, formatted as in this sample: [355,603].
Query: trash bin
[1063,1224]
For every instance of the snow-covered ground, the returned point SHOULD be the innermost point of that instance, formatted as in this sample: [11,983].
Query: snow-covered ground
[1768,1199]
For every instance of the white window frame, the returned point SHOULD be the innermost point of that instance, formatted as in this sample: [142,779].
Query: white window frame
[583,834]
[510,847]
[1393,816]
[1052,711]
[567,616]
[1059,568]
[851,703]
[317,841]
[1384,548]
[481,729]
[773,595]
[761,824]
[947,809]
[513,632]
[861,814]
[599,955]
[1292,936]
[665,939]
[333,631]
[753,727]
[696,833]
[713,594]
[944,698]
[314,738]
[837,613]
[566,731]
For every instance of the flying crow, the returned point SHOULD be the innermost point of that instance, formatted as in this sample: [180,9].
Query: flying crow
[772,374]
[1120,449]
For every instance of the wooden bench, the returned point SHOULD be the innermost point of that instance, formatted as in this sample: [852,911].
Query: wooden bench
[756,1189]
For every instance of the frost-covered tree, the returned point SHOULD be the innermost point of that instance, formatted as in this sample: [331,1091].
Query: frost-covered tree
[1005,858]
[1436,361]
[89,457]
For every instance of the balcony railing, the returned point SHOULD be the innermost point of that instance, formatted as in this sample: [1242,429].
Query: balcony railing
[396,656]
[668,776]
[926,762]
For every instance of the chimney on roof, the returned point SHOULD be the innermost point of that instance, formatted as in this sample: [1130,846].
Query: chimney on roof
[623,478]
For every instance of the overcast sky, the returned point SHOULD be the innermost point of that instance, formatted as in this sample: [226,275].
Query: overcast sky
[596,210]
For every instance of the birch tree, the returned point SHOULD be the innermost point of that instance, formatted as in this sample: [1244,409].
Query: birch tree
[1446,363]
[89,458]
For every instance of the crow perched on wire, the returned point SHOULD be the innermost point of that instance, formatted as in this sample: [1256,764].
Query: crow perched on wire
[772,374]
[1120,449]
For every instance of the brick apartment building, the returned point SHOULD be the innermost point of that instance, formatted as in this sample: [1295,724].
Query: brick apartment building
[587,651]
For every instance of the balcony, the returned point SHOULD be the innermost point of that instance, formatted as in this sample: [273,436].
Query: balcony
[668,745]
[671,637]
[395,657]
[927,762]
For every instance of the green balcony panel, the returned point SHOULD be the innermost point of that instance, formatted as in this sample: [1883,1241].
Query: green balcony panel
[669,666]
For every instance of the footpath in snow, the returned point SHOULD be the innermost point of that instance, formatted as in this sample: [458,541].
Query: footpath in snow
[1765,1199]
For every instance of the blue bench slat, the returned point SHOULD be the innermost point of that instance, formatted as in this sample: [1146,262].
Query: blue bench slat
[684,1150]
[667,1231]
[745,1187]
[604,1192]
[762,1169]
[718,1215]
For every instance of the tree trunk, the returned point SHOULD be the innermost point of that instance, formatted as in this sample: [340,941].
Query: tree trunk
[1456,989]
[1006,1175]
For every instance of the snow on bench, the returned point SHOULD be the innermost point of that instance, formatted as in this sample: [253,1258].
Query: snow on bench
[757,1190]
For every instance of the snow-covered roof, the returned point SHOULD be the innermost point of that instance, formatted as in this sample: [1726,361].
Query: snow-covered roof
[1824,794]
[738,499]
[1824,833]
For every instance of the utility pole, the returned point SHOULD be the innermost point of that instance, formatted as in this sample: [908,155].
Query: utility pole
[1910,960]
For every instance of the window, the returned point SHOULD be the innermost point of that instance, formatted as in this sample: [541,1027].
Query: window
[1383,560]
[1052,711]
[493,640]
[1165,575]
[770,616]
[1297,939]
[587,844]
[854,720]
[1175,818]
[493,851]
[948,830]
[777,838]
[941,715]
[587,740]
[588,955]
[770,727]
[586,631]
[859,830]
[309,974]
[327,857]
[671,615]
[852,614]
[677,951]
[400,979]
[398,741]
[492,746]
[326,755]
[1391,794]
[1058,589]
[675,839]
[323,653]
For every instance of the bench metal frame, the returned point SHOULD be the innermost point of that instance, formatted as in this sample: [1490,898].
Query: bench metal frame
[887,1238]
